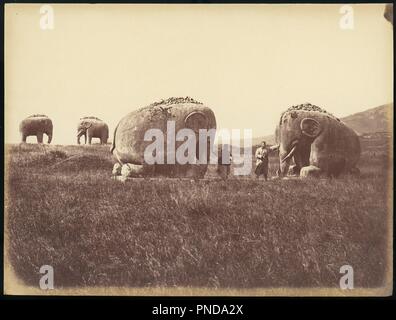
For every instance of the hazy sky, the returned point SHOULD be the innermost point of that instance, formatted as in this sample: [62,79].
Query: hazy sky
[247,62]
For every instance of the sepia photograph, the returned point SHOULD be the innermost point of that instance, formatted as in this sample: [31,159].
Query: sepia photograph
[198,150]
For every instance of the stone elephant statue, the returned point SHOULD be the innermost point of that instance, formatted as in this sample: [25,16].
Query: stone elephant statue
[319,143]
[36,125]
[129,145]
[92,127]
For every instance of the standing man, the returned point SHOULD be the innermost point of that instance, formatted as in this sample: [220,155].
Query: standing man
[262,153]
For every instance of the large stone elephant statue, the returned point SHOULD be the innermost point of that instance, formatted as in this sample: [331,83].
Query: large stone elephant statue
[36,125]
[92,127]
[129,145]
[319,143]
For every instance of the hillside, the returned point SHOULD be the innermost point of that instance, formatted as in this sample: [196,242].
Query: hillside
[270,139]
[378,119]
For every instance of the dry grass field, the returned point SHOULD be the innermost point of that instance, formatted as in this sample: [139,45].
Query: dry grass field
[64,209]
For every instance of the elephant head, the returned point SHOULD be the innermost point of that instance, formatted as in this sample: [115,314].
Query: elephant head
[316,141]
[36,125]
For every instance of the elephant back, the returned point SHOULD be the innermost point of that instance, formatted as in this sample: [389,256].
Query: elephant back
[308,109]
[89,119]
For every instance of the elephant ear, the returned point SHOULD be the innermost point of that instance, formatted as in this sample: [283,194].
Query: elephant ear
[196,120]
[310,127]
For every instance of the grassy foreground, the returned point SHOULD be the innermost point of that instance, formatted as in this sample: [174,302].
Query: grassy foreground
[63,209]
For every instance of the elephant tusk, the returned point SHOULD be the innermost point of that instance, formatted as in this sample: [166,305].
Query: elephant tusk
[290,154]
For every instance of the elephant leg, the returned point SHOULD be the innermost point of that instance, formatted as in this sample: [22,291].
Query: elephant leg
[301,159]
[283,168]
[310,171]
[294,170]
[89,140]
[49,135]
[284,163]
[130,170]
[40,137]
[117,169]
[24,136]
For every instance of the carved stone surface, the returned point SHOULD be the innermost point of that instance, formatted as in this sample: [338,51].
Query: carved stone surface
[314,138]
[128,144]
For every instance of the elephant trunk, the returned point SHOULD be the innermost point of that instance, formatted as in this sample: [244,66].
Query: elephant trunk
[49,137]
[284,159]
[275,147]
[289,155]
